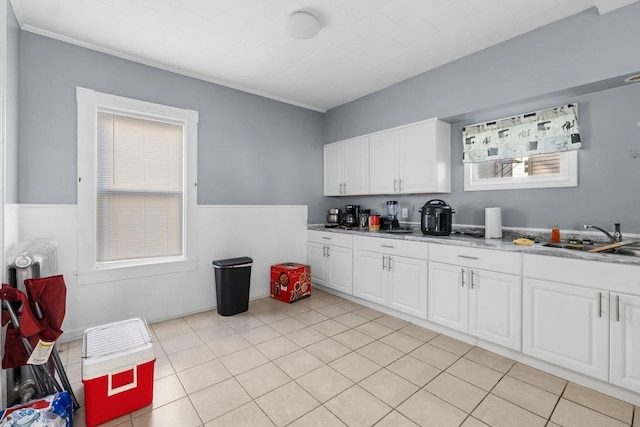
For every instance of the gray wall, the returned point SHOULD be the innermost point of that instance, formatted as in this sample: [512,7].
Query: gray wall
[579,59]
[251,150]
[257,151]
[13,80]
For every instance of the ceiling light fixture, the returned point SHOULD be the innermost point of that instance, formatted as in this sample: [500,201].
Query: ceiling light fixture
[302,25]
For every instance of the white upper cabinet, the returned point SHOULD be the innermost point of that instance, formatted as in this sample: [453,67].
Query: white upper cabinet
[411,159]
[346,167]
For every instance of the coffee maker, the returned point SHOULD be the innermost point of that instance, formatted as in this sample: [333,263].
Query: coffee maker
[350,216]
[390,221]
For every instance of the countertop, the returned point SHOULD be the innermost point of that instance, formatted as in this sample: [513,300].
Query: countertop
[504,244]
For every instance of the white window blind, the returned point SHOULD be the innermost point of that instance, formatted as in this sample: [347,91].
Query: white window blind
[139,188]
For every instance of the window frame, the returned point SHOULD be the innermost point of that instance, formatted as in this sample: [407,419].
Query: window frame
[568,177]
[89,270]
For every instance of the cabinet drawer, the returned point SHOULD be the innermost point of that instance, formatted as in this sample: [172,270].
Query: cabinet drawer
[397,247]
[601,275]
[327,238]
[487,259]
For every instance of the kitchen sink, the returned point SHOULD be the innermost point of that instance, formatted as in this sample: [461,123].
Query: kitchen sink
[625,250]
[635,251]
[573,246]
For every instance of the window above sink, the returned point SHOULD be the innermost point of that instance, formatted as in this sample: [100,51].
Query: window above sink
[542,171]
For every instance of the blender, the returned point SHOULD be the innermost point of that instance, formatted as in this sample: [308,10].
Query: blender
[391,220]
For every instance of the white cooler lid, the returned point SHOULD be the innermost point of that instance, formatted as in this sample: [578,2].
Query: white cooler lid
[116,345]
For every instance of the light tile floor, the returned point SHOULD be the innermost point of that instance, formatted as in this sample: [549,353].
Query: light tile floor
[326,361]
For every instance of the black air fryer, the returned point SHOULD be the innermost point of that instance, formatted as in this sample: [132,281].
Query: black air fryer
[436,218]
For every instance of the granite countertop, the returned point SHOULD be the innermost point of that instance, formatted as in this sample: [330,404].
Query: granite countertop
[505,244]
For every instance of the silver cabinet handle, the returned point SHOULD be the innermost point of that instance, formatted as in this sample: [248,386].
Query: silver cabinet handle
[345,188]
[468,257]
[617,308]
[324,251]
[599,304]
[387,246]
[326,238]
[472,283]
[328,253]
[400,184]
[390,263]
[462,277]
[395,182]
[384,262]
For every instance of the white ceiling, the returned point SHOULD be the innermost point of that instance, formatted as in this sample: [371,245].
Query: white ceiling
[363,45]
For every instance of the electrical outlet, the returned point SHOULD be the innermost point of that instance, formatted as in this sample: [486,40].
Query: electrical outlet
[634,154]
[405,213]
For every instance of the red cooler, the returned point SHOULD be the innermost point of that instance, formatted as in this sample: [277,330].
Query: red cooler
[290,282]
[117,369]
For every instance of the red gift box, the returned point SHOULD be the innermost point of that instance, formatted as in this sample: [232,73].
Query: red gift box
[290,282]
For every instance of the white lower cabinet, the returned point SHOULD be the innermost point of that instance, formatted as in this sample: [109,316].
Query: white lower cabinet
[370,276]
[481,302]
[625,341]
[447,296]
[579,315]
[392,273]
[330,256]
[566,325]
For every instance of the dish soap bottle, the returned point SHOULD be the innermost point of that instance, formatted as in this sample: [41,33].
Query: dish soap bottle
[555,234]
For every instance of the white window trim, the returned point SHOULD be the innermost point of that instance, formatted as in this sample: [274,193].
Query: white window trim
[568,177]
[89,101]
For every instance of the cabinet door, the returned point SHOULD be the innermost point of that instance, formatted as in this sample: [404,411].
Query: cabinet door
[625,345]
[417,162]
[355,169]
[370,277]
[495,307]
[448,296]
[332,169]
[566,325]
[316,259]
[383,159]
[408,285]
[339,269]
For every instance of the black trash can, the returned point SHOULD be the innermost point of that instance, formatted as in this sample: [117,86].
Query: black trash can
[233,277]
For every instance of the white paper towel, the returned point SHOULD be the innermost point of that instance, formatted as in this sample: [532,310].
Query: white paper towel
[492,223]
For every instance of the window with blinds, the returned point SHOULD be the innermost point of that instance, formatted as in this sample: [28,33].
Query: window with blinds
[139,188]
[541,165]
[540,171]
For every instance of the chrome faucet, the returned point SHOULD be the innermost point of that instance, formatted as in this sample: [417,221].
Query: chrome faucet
[615,238]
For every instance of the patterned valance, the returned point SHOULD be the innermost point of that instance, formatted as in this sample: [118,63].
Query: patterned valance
[541,132]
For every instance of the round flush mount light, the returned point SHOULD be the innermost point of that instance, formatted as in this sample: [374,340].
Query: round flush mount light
[302,25]
[633,79]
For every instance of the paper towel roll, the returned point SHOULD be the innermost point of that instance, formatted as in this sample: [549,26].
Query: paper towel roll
[492,223]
